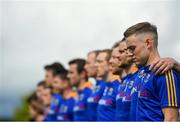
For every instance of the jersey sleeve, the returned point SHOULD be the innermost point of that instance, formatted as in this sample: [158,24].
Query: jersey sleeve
[168,88]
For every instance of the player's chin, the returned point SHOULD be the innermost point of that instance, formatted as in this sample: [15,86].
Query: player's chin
[113,71]
[137,63]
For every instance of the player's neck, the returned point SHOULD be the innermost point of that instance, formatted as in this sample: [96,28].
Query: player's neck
[153,57]
[67,91]
[122,74]
[109,76]
[99,78]
[82,81]
[128,69]
[105,76]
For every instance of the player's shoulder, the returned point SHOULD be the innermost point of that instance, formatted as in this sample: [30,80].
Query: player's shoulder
[134,70]
[170,75]
[114,78]
[86,85]
[71,95]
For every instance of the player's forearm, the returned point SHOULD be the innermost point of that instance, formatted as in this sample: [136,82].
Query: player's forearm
[170,114]
[170,118]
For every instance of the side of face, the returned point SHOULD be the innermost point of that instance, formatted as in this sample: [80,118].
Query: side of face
[73,74]
[32,111]
[124,58]
[90,65]
[59,84]
[114,61]
[102,64]
[36,108]
[49,78]
[46,97]
[39,91]
[138,47]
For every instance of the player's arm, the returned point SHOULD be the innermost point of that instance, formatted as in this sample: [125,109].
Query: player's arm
[164,64]
[168,89]
[170,114]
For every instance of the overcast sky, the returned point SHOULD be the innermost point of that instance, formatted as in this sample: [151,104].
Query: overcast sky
[37,32]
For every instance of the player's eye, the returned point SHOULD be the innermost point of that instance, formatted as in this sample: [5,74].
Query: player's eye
[121,51]
[131,49]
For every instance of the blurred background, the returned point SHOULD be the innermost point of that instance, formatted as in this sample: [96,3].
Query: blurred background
[34,33]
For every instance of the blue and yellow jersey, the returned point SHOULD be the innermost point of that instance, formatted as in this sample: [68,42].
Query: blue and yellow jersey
[52,111]
[80,108]
[123,98]
[94,99]
[157,92]
[66,107]
[115,77]
[107,104]
[134,93]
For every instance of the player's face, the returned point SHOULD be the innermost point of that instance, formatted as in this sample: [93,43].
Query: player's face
[32,111]
[102,64]
[39,91]
[124,59]
[59,84]
[114,61]
[49,78]
[73,75]
[46,97]
[90,65]
[138,48]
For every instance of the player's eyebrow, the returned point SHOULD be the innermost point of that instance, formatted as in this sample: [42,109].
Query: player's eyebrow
[132,46]
[98,60]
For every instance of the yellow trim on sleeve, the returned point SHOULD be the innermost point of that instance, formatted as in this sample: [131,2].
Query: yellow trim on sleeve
[167,84]
[172,93]
[174,88]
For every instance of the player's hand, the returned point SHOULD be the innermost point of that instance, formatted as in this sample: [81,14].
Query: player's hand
[162,65]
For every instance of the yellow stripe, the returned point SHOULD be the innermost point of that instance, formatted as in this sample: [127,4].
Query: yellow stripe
[167,84]
[172,75]
[172,94]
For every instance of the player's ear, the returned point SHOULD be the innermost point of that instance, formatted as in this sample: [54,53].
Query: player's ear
[149,43]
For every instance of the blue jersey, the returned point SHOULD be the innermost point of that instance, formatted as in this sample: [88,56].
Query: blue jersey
[94,99]
[66,108]
[107,105]
[123,98]
[80,108]
[134,93]
[53,109]
[157,92]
